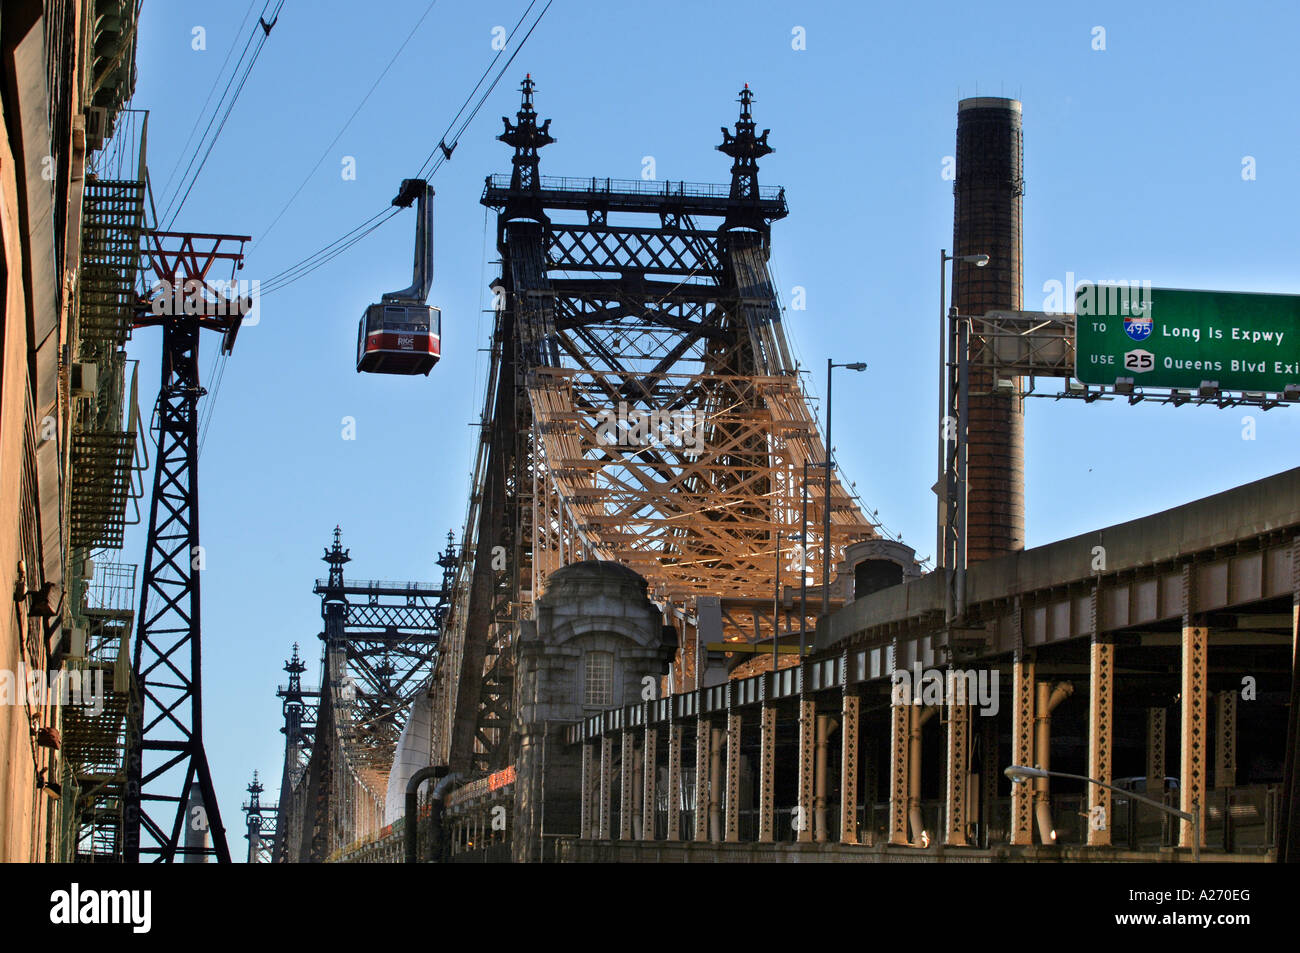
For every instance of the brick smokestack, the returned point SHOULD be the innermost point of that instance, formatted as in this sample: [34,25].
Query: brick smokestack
[987,220]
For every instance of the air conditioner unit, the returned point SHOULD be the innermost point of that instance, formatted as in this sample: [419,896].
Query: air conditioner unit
[77,644]
[87,569]
[83,379]
[96,127]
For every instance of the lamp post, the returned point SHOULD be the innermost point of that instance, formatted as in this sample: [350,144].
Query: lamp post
[776,598]
[830,461]
[979,261]
[803,567]
[776,611]
[1019,774]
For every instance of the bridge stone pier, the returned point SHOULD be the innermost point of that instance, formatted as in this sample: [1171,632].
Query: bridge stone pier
[596,642]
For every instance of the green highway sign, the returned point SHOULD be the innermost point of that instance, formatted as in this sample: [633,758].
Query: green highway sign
[1163,337]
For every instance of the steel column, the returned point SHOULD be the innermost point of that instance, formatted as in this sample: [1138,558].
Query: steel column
[1101,709]
[716,782]
[703,737]
[674,781]
[955,819]
[606,787]
[733,777]
[900,749]
[638,790]
[649,771]
[1022,748]
[767,775]
[626,788]
[586,788]
[807,754]
[849,767]
[1191,780]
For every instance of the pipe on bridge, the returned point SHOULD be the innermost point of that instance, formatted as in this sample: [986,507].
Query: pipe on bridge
[412,826]
[1049,697]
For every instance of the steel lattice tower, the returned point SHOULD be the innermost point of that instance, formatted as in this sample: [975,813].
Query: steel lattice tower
[165,754]
[642,406]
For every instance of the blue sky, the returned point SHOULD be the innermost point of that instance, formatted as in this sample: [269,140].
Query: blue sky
[1133,159]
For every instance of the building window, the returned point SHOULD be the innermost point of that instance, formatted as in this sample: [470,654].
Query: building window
[600,680]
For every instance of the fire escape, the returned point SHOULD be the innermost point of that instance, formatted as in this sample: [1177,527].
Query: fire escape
[103,479]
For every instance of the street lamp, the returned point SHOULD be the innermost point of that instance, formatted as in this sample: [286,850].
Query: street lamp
[803,560]
[776,611]
[830,459]
[979,261]
[1019,774]
[776,599]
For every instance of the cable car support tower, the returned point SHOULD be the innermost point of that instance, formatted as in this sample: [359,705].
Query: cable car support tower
[164,744]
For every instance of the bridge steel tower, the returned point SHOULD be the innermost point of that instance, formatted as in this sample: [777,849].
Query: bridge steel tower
[261,826]
[164,744]
[642,406]
[299,706]
[380,642]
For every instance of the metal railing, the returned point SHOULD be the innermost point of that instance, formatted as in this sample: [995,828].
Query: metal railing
[404,586]
[647,187]
[304,688]
[112,588]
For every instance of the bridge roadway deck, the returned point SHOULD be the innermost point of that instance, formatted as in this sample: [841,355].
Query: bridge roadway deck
[1240,543]
[677,852]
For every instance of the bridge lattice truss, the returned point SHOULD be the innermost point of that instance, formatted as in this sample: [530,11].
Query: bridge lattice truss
[642,406]
[381,639]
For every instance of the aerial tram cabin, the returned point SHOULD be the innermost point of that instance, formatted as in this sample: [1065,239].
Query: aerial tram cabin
[402,334]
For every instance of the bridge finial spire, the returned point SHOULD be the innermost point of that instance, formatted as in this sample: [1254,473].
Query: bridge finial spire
[527,137]
[745,148]
[336,556]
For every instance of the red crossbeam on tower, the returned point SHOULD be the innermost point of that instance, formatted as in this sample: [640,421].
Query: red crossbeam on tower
[191,279]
